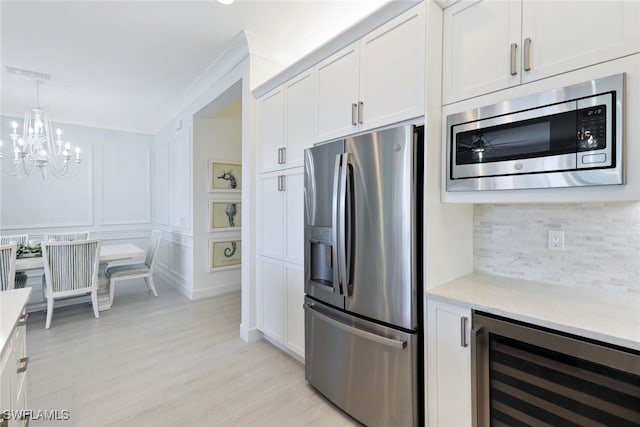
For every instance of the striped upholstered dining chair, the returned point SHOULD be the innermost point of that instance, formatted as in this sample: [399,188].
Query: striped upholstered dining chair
[136,270]
[7,266]
[66,236]
[20,239]
[70,269]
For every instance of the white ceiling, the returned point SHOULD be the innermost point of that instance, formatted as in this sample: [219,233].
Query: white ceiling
[121,64]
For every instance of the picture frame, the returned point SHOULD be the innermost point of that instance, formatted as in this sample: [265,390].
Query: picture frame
[225,215]
[224,254]
[225,176]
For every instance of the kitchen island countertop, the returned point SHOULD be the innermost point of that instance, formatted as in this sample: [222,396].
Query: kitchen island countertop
[601,315]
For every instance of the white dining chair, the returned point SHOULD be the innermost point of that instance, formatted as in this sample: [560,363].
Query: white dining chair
[7,266]
[66,236]
[70,269]
[136,270]
[20,239]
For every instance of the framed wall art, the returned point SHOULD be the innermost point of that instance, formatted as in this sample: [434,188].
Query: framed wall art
[225,176]
[225,215]
[224,254]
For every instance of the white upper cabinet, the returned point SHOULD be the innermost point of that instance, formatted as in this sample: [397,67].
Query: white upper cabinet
[287,124]
[376,81]
[567,35]
[478,38]
[271,129]
[392,75]
[337,94]
[299,117]
[493,45]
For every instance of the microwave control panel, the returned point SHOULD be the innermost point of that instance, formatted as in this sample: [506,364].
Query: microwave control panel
[592,128]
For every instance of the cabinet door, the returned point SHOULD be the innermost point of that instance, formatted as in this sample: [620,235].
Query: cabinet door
[336,91]
[6,372]
[448,364]
[271,128]
[392,78]
[294,281]
[271,216]
[273,308]
[294,216]
[567,35]
[300,117]
[477,47]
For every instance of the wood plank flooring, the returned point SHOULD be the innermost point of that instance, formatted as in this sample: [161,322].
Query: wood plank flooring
[165,361]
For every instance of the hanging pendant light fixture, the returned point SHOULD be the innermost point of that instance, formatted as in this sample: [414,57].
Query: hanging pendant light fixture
[37,149]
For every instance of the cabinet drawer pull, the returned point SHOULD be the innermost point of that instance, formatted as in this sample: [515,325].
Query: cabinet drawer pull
[22,320]
[24,360]
[354,114]
[360,112]
[283,185]
[514,56]
[527,54]
[284,155]
[463,332]
[279,156]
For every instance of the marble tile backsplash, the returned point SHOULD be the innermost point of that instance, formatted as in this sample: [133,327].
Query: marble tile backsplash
[602,244]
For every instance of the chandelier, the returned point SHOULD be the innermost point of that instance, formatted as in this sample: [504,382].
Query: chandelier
[37,149]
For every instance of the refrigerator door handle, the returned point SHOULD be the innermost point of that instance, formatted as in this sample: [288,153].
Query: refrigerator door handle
[335,254]
[342,229]
[389,342]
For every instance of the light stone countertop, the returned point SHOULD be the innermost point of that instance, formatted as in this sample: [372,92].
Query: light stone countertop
[11,305]
[600,315]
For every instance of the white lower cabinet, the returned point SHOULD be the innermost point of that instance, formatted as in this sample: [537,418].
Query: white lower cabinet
[448,365]
[13,378]
[281,297]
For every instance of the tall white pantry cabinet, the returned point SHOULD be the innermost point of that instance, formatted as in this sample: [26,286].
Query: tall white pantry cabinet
[374,81]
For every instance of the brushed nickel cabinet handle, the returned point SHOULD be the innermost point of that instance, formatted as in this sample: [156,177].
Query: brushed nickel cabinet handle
[24,360]
[527,54]
[463,331]
[514,59]
[284,155]
[360,112]
[23,319]
[284,182]
[354,114]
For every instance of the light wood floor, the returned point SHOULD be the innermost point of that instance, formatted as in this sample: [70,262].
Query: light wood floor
[165,361]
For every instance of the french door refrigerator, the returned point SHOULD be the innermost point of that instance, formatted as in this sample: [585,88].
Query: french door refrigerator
[363,275]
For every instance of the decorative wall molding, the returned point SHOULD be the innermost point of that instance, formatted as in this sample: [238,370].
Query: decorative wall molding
[143,163]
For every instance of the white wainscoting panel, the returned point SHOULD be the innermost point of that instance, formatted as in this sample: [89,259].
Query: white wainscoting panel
[34,202]
[161,184]
[126,185]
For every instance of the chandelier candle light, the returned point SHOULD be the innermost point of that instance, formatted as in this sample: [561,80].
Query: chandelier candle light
[36,149]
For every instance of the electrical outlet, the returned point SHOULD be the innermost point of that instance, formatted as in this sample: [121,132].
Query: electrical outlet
[556,240]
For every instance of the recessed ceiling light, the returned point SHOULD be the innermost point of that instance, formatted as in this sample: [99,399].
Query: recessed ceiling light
[225,1]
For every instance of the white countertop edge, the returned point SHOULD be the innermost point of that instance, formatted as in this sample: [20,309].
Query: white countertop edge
[11,305]
[454,292]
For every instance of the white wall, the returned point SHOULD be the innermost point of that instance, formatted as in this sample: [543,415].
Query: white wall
[110,196]
[602,244]
[214,138]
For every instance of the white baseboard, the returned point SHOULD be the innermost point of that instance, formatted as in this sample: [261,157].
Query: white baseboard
[172,281]
[218,290]
[250,335]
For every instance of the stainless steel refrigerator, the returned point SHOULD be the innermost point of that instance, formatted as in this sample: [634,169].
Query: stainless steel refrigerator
[363,275]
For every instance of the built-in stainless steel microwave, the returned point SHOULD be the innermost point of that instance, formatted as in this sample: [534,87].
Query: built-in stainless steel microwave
[560,138]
